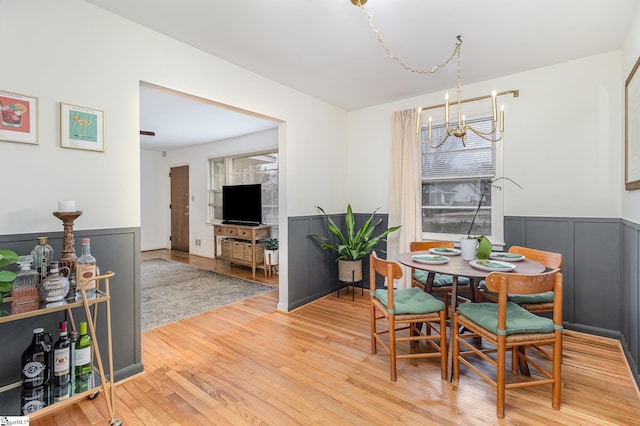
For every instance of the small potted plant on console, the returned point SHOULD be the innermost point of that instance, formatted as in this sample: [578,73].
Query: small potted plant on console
[271,252]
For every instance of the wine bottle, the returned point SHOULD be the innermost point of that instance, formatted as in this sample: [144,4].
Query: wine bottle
[61,365]
[36,361]
[83,359]
[86,269]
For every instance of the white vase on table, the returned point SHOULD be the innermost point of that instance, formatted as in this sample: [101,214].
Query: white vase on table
[468,246]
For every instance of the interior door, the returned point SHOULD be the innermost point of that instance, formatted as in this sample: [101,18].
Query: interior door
[180,208]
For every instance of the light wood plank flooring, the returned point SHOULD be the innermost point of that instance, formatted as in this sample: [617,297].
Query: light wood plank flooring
[248,364]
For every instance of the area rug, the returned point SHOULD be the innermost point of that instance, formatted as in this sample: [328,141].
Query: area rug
[171,291]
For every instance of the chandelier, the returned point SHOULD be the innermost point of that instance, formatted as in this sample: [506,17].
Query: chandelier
[458,128]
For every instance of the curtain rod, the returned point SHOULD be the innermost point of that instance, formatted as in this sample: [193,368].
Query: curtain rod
[515,93]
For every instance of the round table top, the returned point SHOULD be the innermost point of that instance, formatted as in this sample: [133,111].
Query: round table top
[458,267]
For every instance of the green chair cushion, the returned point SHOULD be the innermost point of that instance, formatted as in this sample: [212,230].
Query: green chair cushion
[519,320]
[410,301]
[522,299]
[440,280]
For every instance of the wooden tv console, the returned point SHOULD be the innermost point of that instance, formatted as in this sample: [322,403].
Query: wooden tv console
[239,244]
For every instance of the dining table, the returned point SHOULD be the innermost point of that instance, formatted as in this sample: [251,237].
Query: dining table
[456,267]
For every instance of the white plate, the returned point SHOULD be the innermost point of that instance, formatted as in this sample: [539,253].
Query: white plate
[511,257]
[433,259]
[445,251]
[492,265]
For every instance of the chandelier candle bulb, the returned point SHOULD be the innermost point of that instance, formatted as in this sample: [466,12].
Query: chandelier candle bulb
[446,109]
[501,118]
[494,103]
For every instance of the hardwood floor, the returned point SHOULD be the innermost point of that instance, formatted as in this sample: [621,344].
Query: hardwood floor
[248,364]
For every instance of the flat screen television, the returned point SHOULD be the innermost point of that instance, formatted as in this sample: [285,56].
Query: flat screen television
[242,204]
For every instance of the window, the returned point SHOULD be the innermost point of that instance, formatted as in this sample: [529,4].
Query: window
[453,178]
[261,167]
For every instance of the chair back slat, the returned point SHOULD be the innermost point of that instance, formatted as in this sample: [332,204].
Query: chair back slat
[510,283]
[390,270]
[426,245]
[549,259]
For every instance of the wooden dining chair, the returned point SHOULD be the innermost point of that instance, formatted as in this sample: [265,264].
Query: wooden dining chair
[403,309]
[505,327]
[441,283]
[539,302]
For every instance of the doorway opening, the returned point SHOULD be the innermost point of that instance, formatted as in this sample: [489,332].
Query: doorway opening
[181,130]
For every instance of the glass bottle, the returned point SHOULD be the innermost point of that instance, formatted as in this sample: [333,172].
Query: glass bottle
[42,255]
[25,288]
[82,367]
[73,338]
[54,287]
[33,399]
[86,269]
[61,365]
[36,360]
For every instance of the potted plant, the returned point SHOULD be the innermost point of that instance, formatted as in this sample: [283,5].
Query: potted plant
[7,257]
[271,252]
[480,246]
[352,246]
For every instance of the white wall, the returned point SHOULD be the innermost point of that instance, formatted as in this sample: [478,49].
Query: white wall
[630,54]
[154,200]
[562,140]
[71,51]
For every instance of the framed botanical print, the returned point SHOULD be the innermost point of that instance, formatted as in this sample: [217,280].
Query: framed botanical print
[632,130]
[81,128]
[19,118]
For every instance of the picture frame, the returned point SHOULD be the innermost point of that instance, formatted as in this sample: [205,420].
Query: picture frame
[18,118]
[81,127]
[632,130]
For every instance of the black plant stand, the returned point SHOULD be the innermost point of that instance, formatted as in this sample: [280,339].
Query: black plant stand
[352,283]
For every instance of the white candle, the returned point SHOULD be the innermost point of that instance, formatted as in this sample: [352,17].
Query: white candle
[446,110]
[66,206]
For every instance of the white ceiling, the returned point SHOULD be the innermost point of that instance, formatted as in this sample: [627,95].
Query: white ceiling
[325,48]
[180,120]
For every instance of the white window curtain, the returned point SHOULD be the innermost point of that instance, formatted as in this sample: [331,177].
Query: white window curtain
[404,187]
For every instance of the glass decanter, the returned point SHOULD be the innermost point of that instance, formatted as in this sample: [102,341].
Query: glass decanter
[24,292]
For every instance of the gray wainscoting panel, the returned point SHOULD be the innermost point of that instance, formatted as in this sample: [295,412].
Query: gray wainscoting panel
[313,272]
[116,250]
[631,295]
[601,273]
[598,290]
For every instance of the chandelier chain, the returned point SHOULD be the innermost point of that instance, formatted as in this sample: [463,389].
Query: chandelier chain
[388,51]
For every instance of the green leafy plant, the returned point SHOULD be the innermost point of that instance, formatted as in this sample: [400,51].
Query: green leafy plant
[355,243]
[7,257]
[270,243]
[484,244]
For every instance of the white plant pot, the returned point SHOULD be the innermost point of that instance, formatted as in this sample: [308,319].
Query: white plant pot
[272,257]
[468,247]
[350,270]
